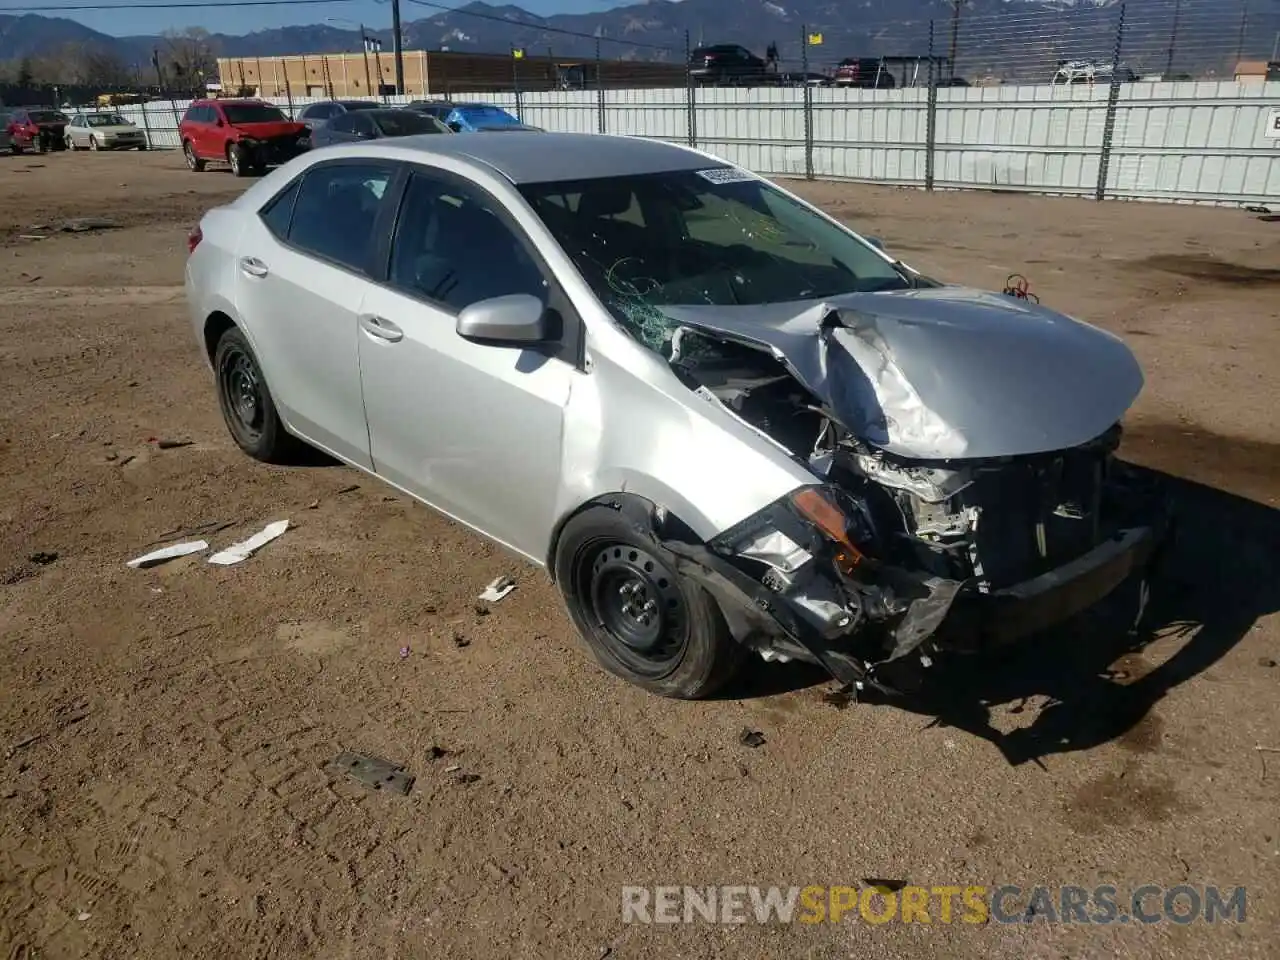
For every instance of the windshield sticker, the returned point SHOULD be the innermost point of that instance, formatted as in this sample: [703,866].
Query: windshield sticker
[725,175]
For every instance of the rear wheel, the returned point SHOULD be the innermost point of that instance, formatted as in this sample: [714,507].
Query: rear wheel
[246,403]
[71,144]
[93,143]
[641,619]
[194,163]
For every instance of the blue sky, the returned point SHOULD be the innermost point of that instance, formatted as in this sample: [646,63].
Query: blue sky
[373,13]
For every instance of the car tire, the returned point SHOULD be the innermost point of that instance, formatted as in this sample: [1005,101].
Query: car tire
[16,148]
[194,163]
[141,147]
[642,620]
[246,404]
[240,165]
[93,144]
[71,144]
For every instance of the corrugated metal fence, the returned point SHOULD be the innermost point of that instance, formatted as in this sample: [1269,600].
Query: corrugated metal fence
[1191,142]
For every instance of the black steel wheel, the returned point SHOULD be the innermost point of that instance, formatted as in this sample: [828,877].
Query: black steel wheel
[636,604]
[643,620]
[246,404]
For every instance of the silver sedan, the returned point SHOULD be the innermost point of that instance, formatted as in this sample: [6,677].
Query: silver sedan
[721,421]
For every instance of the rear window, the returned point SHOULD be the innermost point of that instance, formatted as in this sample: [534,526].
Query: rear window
[361,105]
[252,113]
[407,123]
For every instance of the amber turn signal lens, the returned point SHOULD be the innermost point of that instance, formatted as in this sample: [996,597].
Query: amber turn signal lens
[828,518]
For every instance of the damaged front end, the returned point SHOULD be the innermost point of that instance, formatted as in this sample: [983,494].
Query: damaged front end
[896,557]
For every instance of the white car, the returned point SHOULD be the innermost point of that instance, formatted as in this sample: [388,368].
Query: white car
[721,421]
[103,130]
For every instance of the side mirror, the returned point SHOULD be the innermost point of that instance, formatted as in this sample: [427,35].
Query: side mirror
[218,122]
[875,242]
[515,318]
[455,126]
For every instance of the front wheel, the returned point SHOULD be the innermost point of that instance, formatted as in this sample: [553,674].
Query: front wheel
[641,619]
[71,144]
[194,163]
[93,144]
[240,165]
[246,403]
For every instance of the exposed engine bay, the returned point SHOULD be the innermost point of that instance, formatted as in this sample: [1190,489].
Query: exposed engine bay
[891,555]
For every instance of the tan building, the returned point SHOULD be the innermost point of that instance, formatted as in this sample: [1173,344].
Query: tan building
[1257,71]
[434,73]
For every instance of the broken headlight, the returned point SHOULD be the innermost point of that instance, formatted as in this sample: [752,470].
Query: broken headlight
[797,538]
[808,522]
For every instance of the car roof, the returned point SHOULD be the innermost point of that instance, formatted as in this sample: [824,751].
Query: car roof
[377,112]
[550,157]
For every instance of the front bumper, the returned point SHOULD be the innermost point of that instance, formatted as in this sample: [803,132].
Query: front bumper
[1035,605]
[934,615]
[273,152]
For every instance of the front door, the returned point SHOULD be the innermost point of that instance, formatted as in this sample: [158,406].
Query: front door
[300,279]
[474,429]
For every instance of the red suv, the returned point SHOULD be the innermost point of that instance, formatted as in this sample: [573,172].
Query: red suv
[248,134]
[39,127]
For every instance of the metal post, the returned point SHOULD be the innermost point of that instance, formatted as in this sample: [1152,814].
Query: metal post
[599,90]
[1109,125]
[955,32]
[808,102]
[328,80]
[691,103]
[931,116]
[288,88]
[397,47]
[1244,25]
[1173,38]
[377,62]
[515,83]
[364,45]
[146,126]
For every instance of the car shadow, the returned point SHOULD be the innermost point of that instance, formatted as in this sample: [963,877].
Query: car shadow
[1221,574]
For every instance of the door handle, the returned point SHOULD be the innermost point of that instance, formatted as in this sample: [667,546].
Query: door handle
[253,267]
[381,328]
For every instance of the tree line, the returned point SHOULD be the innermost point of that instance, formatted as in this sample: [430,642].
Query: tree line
[180,60]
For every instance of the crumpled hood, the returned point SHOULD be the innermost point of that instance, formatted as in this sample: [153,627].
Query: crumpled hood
[942,373]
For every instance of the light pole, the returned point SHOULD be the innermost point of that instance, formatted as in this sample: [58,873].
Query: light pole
[364,46]
[397,46]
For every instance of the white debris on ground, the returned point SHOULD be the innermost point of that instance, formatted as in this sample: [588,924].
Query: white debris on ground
[498,589]
[165,554]
[246,548]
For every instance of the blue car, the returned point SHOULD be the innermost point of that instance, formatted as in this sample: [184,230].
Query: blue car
[474,117]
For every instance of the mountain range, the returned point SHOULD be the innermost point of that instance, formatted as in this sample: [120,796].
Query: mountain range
[1213,33]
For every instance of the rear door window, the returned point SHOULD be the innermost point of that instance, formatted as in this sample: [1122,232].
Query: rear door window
[278,212]
[336,211]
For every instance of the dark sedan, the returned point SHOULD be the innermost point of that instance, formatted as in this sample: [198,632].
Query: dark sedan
[375,125]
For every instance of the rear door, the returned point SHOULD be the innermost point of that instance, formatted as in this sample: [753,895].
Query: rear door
[207,132]
[302,273]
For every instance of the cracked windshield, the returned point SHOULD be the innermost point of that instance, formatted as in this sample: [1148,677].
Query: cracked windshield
[698,237]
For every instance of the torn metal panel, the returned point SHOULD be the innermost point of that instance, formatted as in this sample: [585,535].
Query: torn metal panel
[941,373]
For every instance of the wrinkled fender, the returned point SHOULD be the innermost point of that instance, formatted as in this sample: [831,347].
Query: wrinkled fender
[631,427]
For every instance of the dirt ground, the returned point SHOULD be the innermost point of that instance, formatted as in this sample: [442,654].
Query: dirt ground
[164,733]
